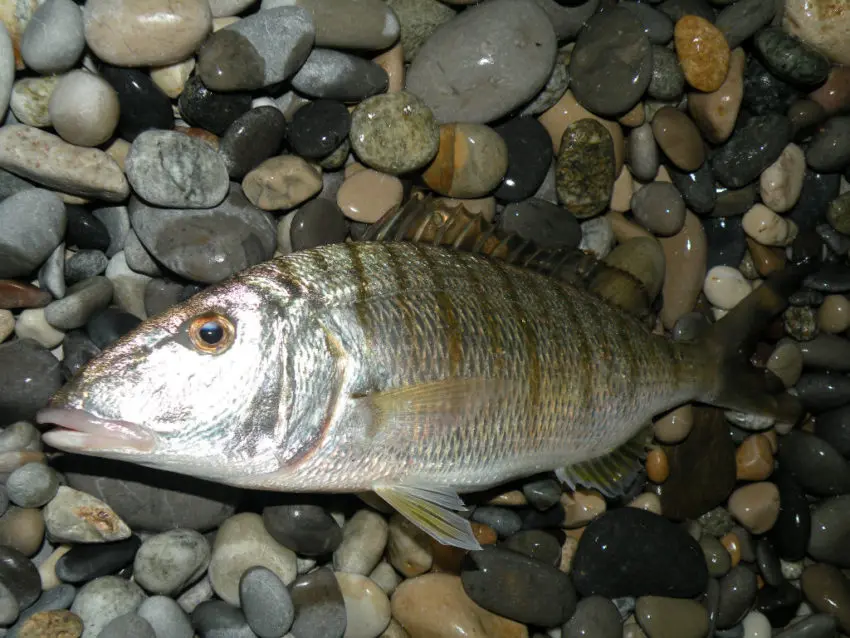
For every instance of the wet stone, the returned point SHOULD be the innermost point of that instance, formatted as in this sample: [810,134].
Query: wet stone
[568,16]
[814,626]
[789,58]
[611,65]
[78,350]
[738,590]
[211,110]
[742,19]
[679,138]
[670,563]
[595,616]
[814,464]
[318,128]
[829,148]
[827,350]
[830,529]
[503,521]
[702,51]
[805,116]
[764,92]
[87,562]
[716,557]
[319,606]
[556,86]
[547,225]
[585,168]
[252,138]
[529,157]
[542,494]
[751,149]
[29,376]
[336,75]
[834,428]
[831,278]
[668,81]
[778,604]
[697,188]
[828,591]
[418,19]
[143,105]
[643,153]
[19,576]
[306,529]
[537,544]
[657,615]
[821,391]
[726,241]
[316,223]
[657,26]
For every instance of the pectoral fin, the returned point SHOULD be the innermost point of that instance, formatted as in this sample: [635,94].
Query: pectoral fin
[612,473]
[430,509]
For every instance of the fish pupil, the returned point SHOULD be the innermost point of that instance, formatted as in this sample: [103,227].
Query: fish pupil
[211,332]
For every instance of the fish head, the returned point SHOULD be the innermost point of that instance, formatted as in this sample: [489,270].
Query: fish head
[197,390]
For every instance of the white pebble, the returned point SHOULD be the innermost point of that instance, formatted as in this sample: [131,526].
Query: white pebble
[782,181]
[791,569]
[84,109]
[31,324]
[30,100]
[171,79]
[768,228]
[367,608]
[756,625]
[364,538]
[7,324]
[725,287]
[597,237]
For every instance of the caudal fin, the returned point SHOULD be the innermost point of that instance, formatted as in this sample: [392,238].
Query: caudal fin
[737,384]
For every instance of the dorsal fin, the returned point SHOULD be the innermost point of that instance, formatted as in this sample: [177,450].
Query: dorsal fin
[424,219]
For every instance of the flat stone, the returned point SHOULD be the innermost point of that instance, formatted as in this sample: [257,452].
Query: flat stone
[117,223]
[805,115]
[244,55]
[154,33]
[829,149]
[138,258]
[568,18]
[251,139]
[364,538]
[128,626]
[211,110]
[306,529]
[703,52]
[171,561]
[83,563]
[33,224]
[604,563]
[32,485]
[740,20]
[367,195]
[751,149]
[447,75]
[834,428]
[29,376]
[585,168]
[143,104]
[54,38]
[104,599]
[814,626]
[395,133]
[594,616]
[336,75]
[15,294]
[727,241]
[612,47]
[819,189]
[220,242]
[755,506]
[47,159]
[319,605]
[128,286]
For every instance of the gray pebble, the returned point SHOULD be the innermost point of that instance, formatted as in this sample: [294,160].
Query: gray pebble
[503,521]
[170,169]
[594,617]
[568,19]
[789,58]
[738,591]
[128,626]
[266,603]
[556,85]
[218,619]
[54,37]
[51,276]
[29,376]
[32,485]
[418,19]
[81,301]
[138,258]
[104,599]
[668,80]
[814,626]
[815,464]
[85,264]
[306,529]
[168,562]
[166,617]
[657,26]
[542,494]
[117,222]
[33,223]
[659,207]
[198,593]
[319,606]
[830,531]
[743,18]
[336,75]
[597,237]
[547,225]
[316,223]
[59,597]
[644,156]
[9,607]
[161,295]
[829,148]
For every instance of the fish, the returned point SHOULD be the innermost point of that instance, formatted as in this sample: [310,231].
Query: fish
[416,368]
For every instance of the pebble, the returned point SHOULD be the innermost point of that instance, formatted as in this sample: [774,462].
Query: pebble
[117,223]
[614,47]
[128,286]
[7,324]
[51,274]
[169,562]
[168,169]
[367,607]
[751,149]
[76,517]
[597,236]
[9,608]
[801,324]
[104,599]
[828,590]
[53,40]
[180,238]
[834,314]
[81,301]
[22,529]
[829,529]
[48,160]
[825,31]
[32,325]
[834,428]
[368,195]
[364,538]
[319,605]
[643,153]
[764,92]
[58,622]
[716,112]
[547,225]
[316,223]
[585,168]
[717,559]
[697,188]
[740,20]
[318,128]
[829,149]
[217,619]
[435,604]
[83,563]
[19,576]
[408,547]
[471,161]
[738,590]
[30,99]
[659,207]
[805,116]
[685,257]
[32,485]
[240,541]
[725,287]
[353,24]
[515,71]
[814,626]
[529,155]
[756,625]
[84,264]
[604,565]
[29,376]
[668,81]
[594,617]
[662,617]
[128,625]
[19,436]
[282,182]
[417,20]
[266,603]
[542,494]
[755,506]
[768,228]
[336,75]
[703,52]
[395,133]
[252,138]
[83,109]
[308,530]
[490,574]
[198,593]
[166,617]
[171,78]
[34,222]
[555,87]
[838,214]
[386,577]
[150,34]
[679,138]
[815,464]
[781,182]
[789,58]
[211,110]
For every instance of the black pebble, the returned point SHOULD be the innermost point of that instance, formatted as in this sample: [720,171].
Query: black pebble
[211,110]
[779,604]
[143,104]
[20,576]
[109,325]
[529,157]
[318,128]
[87,562]
[84,230]
[78,350]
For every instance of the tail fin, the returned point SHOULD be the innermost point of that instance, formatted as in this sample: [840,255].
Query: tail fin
[737,384]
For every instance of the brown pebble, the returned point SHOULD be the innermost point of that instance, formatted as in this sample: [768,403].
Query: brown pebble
[581,507]
[59,623]
[16,294]
[828,591]
[754,458]
[772,438]
[679,138]
[657,467]
[755,506]
[471,161]
[733,546]
[834,94]
[282,182]
[766,259]
[715,113]
[22,529]
[703,52]
[625,229]
[511,498]
[448,558]
[635,117]
[674,426]
[834,314]
[368,194]
[686,254]
[392,61]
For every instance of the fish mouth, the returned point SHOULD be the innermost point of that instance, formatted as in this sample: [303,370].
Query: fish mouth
[85,433]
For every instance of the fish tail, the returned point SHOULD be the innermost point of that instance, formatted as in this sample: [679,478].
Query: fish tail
[732,382]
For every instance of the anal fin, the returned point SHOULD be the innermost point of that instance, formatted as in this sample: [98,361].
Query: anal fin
[430,509]
[612,473]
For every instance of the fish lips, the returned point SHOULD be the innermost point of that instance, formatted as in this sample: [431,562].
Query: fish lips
[84,433]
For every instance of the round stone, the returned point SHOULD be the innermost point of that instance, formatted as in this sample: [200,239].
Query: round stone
[32,485]
[266,602]
[84,109]
[54,39]
[611,65]
[318,128]
[659,207]
[169,562]
[529,158]
[127,626]
[367,195]
[104,599]
[394,133]
[585,168]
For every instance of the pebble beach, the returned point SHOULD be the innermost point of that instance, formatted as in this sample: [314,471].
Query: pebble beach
[151,148]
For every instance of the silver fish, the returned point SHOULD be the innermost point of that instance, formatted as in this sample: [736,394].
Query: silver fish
[414,371]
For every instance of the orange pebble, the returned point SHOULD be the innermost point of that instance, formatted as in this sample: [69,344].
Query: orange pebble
[733,545]
[576,533]
[703,53]
[448,558]
[657,467]
[754,458]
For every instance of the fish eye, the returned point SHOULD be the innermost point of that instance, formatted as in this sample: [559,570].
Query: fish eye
[212,333]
